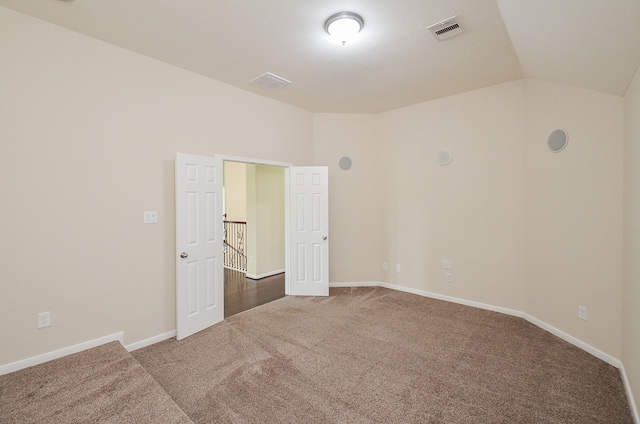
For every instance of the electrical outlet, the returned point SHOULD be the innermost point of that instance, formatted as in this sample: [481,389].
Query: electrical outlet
[582,312]
[446,264]
[44,319]
[150,217]
[397,267]
[448,277]
[385,265]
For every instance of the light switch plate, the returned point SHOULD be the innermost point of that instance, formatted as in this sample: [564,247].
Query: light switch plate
[150,217]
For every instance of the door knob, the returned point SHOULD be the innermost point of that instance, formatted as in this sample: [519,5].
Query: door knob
[184,255]
[324,237]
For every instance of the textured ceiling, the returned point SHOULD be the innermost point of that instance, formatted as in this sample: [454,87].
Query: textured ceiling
[396,62]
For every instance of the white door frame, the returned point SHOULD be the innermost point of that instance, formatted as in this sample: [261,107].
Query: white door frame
[253,161]
[287,228]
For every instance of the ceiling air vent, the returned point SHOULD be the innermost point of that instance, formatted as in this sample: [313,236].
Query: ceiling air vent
[446,29]
[270,81]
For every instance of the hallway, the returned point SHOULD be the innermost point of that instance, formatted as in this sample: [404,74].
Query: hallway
[241,293]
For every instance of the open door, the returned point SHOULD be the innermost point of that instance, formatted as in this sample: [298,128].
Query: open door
[308,271]
[199,244]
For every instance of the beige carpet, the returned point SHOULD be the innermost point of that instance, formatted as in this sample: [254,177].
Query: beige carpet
[101,385]
[373,355]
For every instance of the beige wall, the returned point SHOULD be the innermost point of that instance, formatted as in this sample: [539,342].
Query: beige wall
[89,134]
[469,212]
[356,199]
[235,191]
[526,229]
[631,262]
[573,212]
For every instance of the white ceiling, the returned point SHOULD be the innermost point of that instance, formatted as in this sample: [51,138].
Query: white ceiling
[396,62]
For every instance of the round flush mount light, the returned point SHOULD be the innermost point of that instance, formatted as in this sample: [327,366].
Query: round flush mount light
[344,26]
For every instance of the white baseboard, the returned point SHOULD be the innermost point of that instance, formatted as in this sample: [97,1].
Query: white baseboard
[630,398]
[356,284]
[564,336]
[35,360]
[576,342]
[148,342]
[235,269]
[451,299]
[46,357]
[265,275]
[538,323]
[430,295]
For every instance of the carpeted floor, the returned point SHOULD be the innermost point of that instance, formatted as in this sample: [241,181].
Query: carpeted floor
[373,355]
[101,385]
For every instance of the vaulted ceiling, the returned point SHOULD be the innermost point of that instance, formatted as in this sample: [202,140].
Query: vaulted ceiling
[395,62]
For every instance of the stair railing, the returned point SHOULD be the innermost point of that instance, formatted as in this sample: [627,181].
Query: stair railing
[234,245]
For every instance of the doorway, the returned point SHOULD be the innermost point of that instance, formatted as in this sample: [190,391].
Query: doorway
[200,238]
[254,214]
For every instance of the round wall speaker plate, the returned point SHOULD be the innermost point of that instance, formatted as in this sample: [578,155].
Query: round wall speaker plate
[345,162]
[444,157]
[557,140]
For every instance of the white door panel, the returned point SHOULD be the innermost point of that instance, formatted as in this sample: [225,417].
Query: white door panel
[199,244]
[309,231]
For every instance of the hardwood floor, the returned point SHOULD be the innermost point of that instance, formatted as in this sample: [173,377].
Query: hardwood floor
[241,293]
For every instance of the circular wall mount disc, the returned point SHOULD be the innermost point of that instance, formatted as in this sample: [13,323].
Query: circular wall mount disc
[557,140]
[345,162]
[444,157]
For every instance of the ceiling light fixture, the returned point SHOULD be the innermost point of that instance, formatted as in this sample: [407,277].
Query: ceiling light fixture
[344,26]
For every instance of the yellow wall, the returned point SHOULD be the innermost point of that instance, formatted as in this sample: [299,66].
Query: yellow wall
[255,194]
[235,191]
[252,219]
[631,262]
[270,231]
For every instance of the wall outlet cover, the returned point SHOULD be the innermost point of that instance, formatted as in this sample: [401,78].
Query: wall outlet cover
[150,217]
[44,319]
[582,312]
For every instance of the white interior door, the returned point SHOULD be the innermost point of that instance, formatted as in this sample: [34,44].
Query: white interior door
[309,231]
[199,244]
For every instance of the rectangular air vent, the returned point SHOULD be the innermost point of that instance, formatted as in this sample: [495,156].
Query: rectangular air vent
[446,29]
[270,81]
